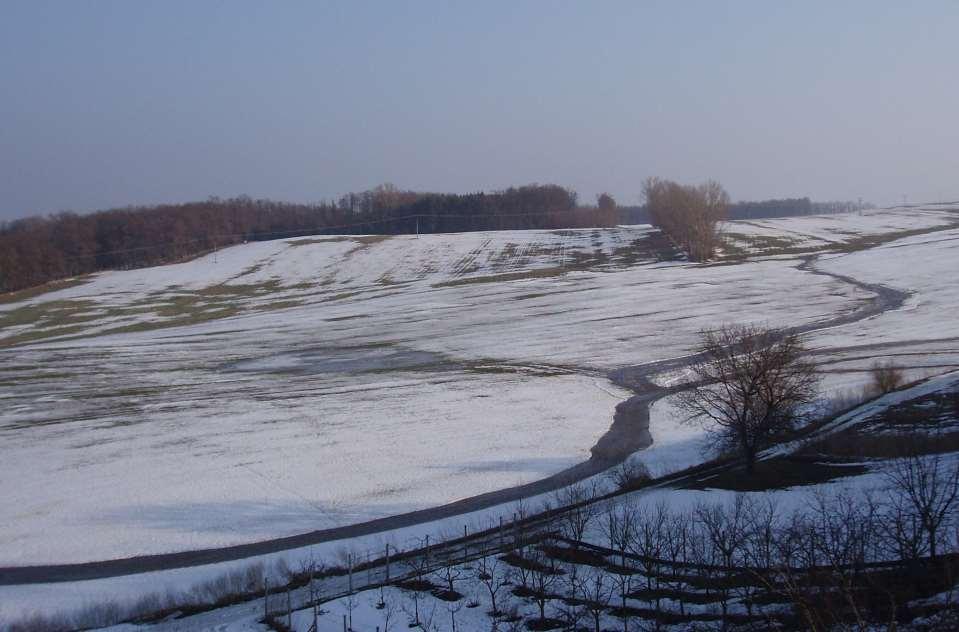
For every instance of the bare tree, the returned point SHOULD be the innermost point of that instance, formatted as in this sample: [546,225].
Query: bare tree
[648,543]
[930,487]
[489,572]
[387,606]
[569,609]
[886,377]
[678,551]
[575,503]
[628,475]
[544,576]
[751,387]
[597,592]
[690,215]
[453,607]
[900,530]
[619,523]
[416,567]
[726,530]
[450,573]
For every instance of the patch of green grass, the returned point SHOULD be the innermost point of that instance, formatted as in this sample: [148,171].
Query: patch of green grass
[335,319]
[183,321]
[35,335]
[49,314]
[341,296]
[364,240]
[772,245]
[253,269]
[764,245]
[865,242]
[540,273]
[524,297]
[506,369]
[53,286]
[278,305]
[240,290]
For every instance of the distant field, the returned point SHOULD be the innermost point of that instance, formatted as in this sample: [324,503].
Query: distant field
[278,387]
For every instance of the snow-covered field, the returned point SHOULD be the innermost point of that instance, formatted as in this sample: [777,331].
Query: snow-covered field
[279,387]
[366,400]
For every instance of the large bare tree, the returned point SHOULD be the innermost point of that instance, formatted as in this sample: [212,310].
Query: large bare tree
[689,214]
[928,487]
[751,387]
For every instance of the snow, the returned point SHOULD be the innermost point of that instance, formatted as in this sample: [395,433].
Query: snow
[237,429]
[248,426]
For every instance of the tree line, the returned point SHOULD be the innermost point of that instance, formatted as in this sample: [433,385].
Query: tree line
[758,209]
[37,250]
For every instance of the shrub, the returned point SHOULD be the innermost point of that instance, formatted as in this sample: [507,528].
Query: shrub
[629,475]
[886,377]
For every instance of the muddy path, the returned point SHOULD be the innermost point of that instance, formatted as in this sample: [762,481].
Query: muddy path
[628,433]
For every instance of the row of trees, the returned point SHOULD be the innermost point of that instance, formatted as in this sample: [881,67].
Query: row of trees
[37,250]
[758,209]
[785,207]
[689,214]
[840,562]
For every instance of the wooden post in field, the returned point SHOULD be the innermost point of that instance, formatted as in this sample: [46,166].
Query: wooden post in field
[344,623]
[266,598]
[466,546]
[349,564]
[289,609]
[387,562]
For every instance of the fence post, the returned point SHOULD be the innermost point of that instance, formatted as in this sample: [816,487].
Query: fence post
[349,564]
[387,562]
[266,598]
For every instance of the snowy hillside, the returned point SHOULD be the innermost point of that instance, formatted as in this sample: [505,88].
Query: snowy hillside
[280,387]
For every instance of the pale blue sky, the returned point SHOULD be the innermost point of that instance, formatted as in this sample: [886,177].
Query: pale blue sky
[112,103]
